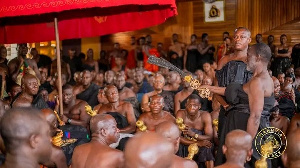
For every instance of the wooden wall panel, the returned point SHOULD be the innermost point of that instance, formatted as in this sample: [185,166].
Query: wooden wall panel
[182,24]
[216,29]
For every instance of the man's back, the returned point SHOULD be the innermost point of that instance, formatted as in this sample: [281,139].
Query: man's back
[96,155]
[179,162]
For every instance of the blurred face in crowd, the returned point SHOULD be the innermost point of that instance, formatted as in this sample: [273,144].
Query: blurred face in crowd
[259,38]
[159,82]
[207,81]
[283,39]
[199,74]
[109,77]
[86,78]
[3,52]
[270,39]
[45,95]
[120,81]
[206,67]
[281,78]
[22,50]
[138,77]
[90,53]
[276,86]
[15,90]
[175,37]
[31,86]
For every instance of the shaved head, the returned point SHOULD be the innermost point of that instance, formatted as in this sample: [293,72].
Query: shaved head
[26,133]
[51,119]
[238,143]
[148,150]
[170,131]
[100,121]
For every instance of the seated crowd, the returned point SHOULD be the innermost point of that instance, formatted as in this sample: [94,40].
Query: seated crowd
[122,111]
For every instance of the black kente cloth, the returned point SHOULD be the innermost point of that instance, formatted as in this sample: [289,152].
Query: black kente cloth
[38,101]
[237,118]
[121,123]
[204,154]
[232,71]
[168,101]
[280,64]
[136,106]
[73,131]
[90,95]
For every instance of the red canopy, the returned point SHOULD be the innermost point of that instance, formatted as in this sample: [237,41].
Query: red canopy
[32,20]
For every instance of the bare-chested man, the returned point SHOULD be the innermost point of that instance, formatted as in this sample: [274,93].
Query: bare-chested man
[279,121]
[156,115]
[237,149]
[15,64]
[30,88]
[58,158]
[171,131]
[198,126]
[148,150]
[97,153]
[123,109]
[173,82]
[90,63]
[124,92]
[88,90]
[74,109]
[26,137]
[291,157]
[178,48]
[158,84]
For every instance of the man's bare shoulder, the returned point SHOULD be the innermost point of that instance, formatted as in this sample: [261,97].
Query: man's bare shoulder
[168,115]
[21,102]
[205,114]
[223,61]
[183,163]
[145,115]
[81,102]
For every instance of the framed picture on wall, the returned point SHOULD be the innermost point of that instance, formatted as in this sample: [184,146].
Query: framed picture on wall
[214,12]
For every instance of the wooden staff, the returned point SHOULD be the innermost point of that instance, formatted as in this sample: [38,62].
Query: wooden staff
[58,67]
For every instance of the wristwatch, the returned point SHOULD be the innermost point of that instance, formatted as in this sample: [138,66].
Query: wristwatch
[69,121]
[196,136]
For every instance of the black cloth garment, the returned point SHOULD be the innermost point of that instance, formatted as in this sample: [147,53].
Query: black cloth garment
[168,101]
[44,61]
[87,67]
[280,64]
[177,61]
[46,86]
[296,56]
[204,154]
[205,58]
[238,115]
[136,106]
[73,132]
[75,65]
[286,106]
[90,95]
[191,61]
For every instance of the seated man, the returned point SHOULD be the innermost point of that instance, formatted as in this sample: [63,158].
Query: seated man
[295,124]
[237,149]
[156,115]
[30,88]
[142,86]
[171,131]
[173,82]
[120,110]
[158,84]
[87,91]
[97,153]
[279,121]
[57,159]
[199,127]
[126,94]
[74,109]
[148,150]
[291,157]
[26,136]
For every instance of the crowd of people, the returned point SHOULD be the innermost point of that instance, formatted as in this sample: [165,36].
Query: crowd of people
[125,112]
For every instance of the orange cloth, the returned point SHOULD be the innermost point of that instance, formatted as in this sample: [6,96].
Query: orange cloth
[151,67]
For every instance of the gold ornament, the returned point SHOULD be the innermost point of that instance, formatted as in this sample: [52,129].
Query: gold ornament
[59,142]
[61,123]
[195,84]
[90,111]
[216,123]
[266,149]
[181,126]
[193,149]
[141,126]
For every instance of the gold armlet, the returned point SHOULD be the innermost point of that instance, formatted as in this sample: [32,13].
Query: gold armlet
[193,149]
[61,123]
[90,111]
[141,126]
